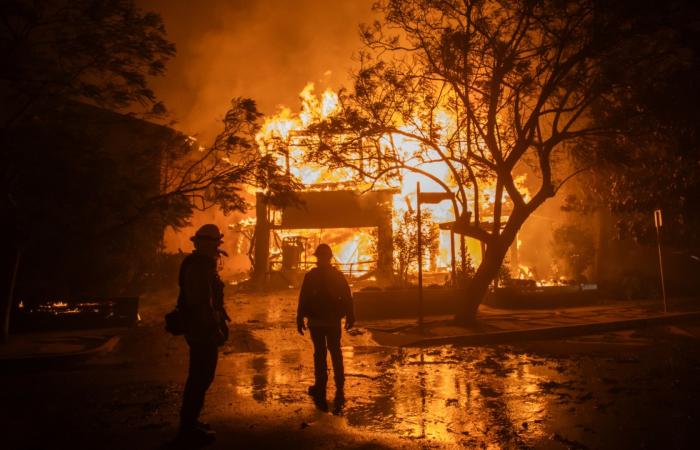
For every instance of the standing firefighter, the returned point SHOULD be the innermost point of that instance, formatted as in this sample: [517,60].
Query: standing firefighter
[324,300]
[201,304]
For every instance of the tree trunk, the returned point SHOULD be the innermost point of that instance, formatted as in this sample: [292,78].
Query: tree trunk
[488,269]
[478,287]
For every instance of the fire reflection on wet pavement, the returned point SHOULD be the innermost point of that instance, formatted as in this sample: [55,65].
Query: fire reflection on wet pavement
[633,389]
[455,397]
[450,395]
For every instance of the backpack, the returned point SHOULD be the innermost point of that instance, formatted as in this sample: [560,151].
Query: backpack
[326,302]
[175,322]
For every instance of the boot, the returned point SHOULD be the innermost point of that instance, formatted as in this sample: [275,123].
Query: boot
[318,394]
[339,396]
[203,425]
[196,435]
[317,391]
[340,388]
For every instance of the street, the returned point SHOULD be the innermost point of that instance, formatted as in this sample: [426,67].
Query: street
[632,389]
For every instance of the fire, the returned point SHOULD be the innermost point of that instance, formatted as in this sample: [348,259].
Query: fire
[278,127]
[313,109]
[353,254]
[351,247]
[282,134]
[524,272]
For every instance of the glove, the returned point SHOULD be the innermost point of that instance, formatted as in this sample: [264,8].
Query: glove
[301,326]
[225,315]
[349,322]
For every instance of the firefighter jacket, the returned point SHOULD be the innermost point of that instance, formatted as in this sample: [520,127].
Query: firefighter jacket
[201,299]
[325,297]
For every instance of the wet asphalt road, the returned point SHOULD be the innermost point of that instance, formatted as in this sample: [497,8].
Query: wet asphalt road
[636,389]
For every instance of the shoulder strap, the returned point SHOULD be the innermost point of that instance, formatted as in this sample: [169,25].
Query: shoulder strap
[184,267]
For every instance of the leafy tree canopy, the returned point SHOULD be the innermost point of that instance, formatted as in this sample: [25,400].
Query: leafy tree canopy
[100,50]
[483,89]
[652,161]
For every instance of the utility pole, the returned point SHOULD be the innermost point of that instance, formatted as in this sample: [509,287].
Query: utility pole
[453,262]
[658,223]
[420,260]
[431,198]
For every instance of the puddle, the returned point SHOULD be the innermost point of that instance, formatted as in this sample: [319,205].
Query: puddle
[448,395]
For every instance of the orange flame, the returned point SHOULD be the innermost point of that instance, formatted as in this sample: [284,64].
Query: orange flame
[282,135]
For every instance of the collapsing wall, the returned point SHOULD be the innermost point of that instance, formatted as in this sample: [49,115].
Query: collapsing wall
[329,209]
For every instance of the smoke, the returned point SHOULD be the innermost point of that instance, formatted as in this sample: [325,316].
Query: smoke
[269,50]
[536,254]
[237,260]
[536,239]
[265,49]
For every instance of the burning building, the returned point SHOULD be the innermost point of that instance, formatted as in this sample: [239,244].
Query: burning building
[357,216]
[354,223]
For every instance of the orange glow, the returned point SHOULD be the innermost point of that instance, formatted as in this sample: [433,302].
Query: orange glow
[283,135]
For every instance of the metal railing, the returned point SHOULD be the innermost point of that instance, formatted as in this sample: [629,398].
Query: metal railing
[349,269]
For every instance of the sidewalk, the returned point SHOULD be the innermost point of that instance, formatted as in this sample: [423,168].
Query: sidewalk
[493,326]
[497,326]
[55,347]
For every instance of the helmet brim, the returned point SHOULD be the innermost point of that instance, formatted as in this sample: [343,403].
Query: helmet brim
[206,238]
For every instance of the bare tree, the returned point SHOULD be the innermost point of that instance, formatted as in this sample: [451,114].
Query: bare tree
[481,87]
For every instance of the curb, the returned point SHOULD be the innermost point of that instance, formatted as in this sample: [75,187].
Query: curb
[43,359]
[504,337]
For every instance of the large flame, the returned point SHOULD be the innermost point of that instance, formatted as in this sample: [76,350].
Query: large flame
[313,109]
[282,135]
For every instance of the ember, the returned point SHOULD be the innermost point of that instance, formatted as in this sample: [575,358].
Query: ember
[76,313]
